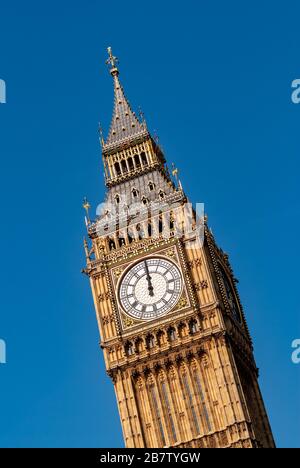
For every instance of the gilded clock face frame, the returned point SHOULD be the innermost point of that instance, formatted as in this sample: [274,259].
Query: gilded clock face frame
[230,296]
[150,288]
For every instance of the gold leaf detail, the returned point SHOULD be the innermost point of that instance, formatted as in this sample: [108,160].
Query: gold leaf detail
[181,303]
[117,272]
[128,322]
[170,253]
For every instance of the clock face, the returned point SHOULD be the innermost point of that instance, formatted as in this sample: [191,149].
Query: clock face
[230,296]
[150,289]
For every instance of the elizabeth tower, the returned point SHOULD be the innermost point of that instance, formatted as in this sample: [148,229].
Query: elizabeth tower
[173,332]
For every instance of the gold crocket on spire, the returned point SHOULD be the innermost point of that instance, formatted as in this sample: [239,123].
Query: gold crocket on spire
[125,126]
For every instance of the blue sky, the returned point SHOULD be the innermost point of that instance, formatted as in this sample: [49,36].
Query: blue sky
[214,81]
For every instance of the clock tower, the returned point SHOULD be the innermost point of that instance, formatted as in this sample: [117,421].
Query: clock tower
[173,331]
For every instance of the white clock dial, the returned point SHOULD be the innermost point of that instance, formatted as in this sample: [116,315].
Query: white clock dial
[150,289]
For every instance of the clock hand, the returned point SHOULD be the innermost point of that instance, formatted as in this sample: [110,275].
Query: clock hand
[150,287]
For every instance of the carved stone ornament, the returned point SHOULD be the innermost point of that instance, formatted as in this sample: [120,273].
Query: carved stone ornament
[170,253]
[129,322]
[117,272]
[183,302]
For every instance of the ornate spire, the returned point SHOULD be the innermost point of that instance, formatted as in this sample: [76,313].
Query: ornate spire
[125,126]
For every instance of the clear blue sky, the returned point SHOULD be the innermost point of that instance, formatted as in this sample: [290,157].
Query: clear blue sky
[214,80]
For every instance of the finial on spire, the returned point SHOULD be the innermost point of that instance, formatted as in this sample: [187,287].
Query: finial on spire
[86,206]
[174,171]
[175,174]
[112,61]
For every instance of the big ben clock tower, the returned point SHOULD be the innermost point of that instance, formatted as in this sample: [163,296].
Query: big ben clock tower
[173,332]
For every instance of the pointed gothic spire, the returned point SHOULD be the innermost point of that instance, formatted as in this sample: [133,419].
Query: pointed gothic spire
[125,126]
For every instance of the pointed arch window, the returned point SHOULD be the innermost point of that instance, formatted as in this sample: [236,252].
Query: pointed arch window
[160,224]
[117,169]
[130,164]
[134,192]
[129,348]
[111,244]
[151,186]
[144,159]
[137,161]
[172,334]
[194,327]
[150,341]
[124,165]
[161,194]
[117,198]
